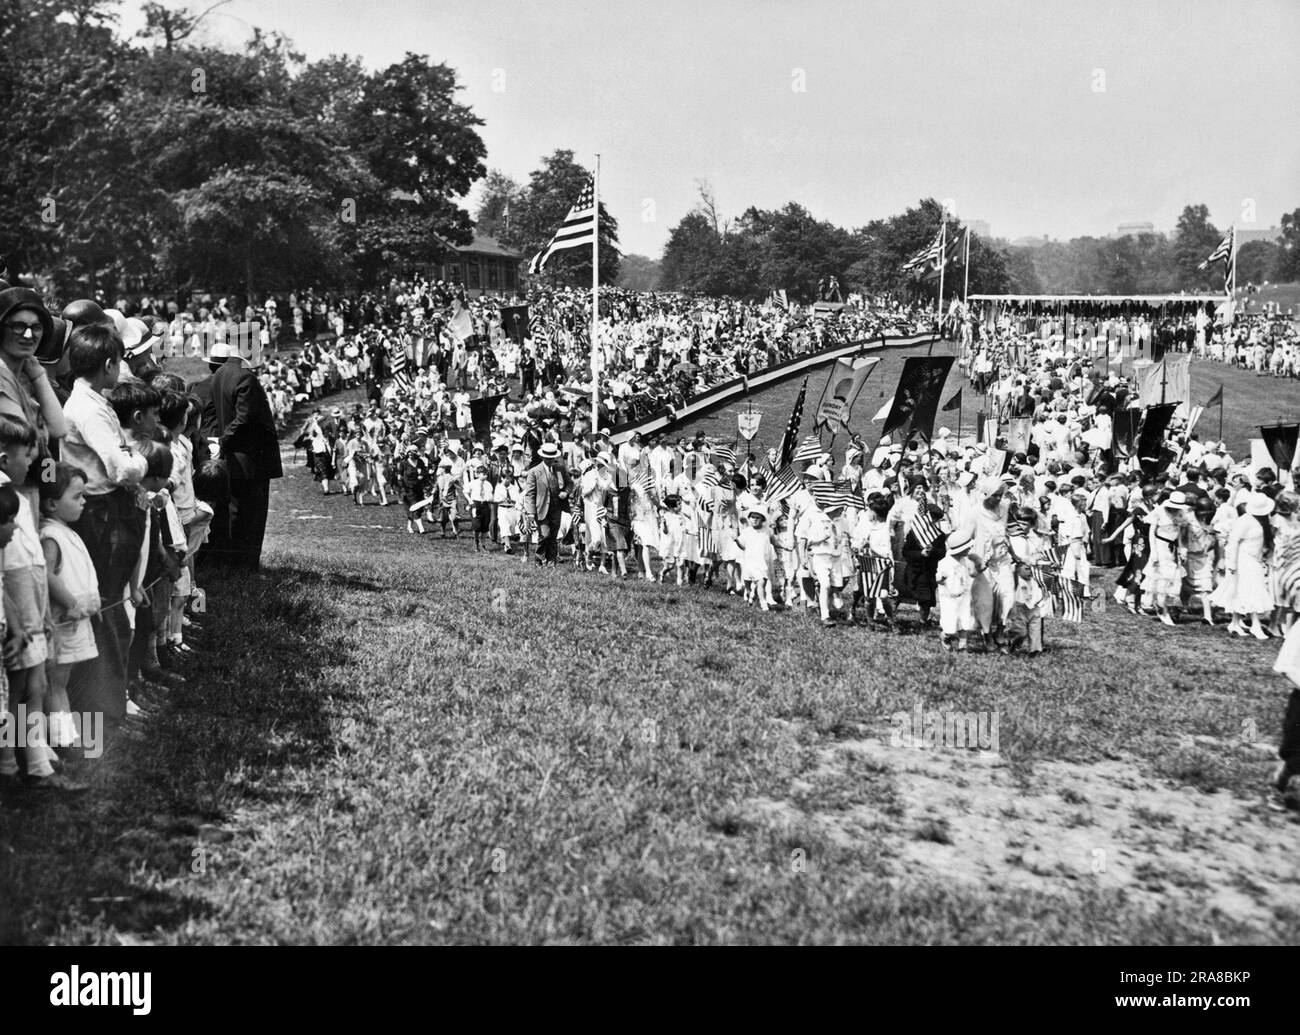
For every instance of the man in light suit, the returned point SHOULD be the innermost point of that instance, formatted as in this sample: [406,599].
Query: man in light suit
[249,445]
[546,485]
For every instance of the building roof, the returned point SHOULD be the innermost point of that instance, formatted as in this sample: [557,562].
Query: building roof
[484,245]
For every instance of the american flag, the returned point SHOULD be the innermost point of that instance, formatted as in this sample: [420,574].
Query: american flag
[1222,251]
[710,476]
[1067,595]
[1286,569]
[825,494]
[397,361]
[929,255]
[924,528]
[781,485]
[644,481]
[879,577]
[849,497]
[578,228]
[727,456]
[792,429]
[809,449]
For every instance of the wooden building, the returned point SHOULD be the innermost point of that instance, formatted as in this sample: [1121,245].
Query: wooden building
[484,267]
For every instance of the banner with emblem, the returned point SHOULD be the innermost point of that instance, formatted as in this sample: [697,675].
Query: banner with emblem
[747,425]
[842,389]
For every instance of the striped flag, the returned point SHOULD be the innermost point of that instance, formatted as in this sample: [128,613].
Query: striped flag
[727,456]
[879,577]
[644,481]
[710,476]
[924,528]
[1223,250]
[578,228]
[825,494]
[809,450]
[1067,595]
[926,256]
[1286,571]
[397,363]
[781,485]
[783,457]
[849,498]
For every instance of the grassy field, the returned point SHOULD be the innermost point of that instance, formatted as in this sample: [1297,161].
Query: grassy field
[395,739]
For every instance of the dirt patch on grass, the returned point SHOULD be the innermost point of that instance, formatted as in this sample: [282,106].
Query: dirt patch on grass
[971,818]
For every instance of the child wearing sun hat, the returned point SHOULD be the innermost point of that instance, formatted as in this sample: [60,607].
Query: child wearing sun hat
[756,556]
[955,579]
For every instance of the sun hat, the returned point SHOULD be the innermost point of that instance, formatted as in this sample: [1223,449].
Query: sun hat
[966,479]
[1177,500]
[549,451]
[958,543]
[1259,505]
[219,351]
[129,334]
[991,484]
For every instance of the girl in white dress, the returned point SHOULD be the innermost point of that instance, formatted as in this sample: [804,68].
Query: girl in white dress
[756,557]
[672,546]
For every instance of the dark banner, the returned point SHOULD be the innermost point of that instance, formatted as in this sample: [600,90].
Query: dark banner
[1281,441]
[514,322]
[1152,454]
[1125,423]
[480,412]
[917,397]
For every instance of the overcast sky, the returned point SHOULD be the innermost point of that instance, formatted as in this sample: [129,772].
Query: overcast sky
[1054,117]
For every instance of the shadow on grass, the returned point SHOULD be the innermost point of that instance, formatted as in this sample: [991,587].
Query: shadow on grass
[131,855]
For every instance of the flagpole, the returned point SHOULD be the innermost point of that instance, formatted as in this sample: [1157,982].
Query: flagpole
[965,290]
[1234,273]
[943,237]
[595,298]
[1220,413]
[960,400]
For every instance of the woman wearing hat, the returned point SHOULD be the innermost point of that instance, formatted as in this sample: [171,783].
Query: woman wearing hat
[1165,567]
[1249,545]
[918,579]
[25,390]
[1199,549]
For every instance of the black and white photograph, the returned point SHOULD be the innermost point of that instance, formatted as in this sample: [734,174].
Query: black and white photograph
[620,474]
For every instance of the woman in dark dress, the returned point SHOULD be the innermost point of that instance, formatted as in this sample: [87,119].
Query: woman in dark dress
[918,579]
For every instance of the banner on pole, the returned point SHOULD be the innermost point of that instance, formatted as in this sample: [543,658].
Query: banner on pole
[842,389]
[747,425]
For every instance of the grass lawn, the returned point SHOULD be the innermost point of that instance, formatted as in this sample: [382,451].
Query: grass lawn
[400,740]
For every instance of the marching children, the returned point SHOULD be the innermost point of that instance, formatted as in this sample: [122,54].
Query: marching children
[672,538]
[788,558]
[956,581]
[1025,619]
[756,556]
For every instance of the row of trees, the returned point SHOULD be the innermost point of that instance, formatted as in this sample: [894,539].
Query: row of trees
[155,163]
[788,248]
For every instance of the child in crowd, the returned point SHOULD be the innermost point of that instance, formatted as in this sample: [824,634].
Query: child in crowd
[956,580]
[174,414]
[756,556]
[672,528]
[74,594]
[787,558]
[1025,619]
[26,602]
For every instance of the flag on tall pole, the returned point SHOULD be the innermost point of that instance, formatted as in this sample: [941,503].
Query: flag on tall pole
[929,255]
[578,228]
[792,428]
[1227,251]
[943,230]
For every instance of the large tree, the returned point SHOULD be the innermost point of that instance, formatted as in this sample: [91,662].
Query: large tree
[553,188]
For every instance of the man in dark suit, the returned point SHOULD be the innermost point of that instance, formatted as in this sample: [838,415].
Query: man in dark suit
[545,486]
[248,444]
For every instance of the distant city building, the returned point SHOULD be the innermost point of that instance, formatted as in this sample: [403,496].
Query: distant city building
[1029,242]
[1133,230]
[1245,236]
[979,227]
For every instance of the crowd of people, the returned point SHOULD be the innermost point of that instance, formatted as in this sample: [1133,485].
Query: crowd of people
[985,539]
[119,485]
